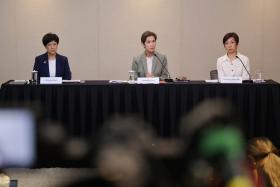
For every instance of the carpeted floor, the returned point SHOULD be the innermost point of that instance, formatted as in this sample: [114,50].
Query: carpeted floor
[48,177]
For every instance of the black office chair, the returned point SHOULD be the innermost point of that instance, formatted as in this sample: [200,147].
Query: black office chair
[214,74]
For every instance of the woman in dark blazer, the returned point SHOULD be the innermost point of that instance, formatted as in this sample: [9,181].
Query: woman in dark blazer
[52,64]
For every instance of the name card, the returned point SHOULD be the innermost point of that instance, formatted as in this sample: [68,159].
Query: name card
[235,80]
[50,80]
[148,80]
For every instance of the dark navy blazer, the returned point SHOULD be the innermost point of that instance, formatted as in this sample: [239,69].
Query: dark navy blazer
[62,66]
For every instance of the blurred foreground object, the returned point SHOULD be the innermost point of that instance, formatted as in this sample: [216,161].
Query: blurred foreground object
[4,180]
[265,161]
[214,146]
[17,138]
[123,146]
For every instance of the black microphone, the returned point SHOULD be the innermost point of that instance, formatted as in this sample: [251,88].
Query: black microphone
[169,79]
[245,81]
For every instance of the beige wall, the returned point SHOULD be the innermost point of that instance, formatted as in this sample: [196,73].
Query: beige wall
[100,37]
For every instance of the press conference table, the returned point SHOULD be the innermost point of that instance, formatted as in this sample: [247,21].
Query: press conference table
[82,108]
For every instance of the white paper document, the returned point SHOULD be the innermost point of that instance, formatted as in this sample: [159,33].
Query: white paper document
[19,82]
[231,80]
[66,81]
[212,81]
[50,80]
[148,80]
[117,81]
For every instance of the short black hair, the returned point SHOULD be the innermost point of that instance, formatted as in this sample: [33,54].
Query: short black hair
[49,37]
[146,34]
[231,35]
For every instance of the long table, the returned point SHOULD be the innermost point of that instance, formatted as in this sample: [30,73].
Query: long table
[82,108]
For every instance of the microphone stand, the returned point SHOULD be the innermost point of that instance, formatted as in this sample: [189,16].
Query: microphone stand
[245,81]
[168,79]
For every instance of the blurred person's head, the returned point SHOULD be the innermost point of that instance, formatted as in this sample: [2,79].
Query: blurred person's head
[130,154]
[123,144]
[126,131]
[263,156]
[126,167]
[207,114]
[214,144]
[56,147]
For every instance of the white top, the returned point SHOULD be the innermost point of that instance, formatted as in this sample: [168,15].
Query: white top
[52,67]
[233,68]
[149,64]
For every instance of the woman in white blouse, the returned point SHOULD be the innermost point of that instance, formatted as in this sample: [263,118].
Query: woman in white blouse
[233,64]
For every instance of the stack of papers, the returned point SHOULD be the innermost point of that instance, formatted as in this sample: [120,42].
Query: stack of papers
[19,82]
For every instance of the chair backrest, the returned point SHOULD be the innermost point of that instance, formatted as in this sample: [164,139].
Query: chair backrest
[213,74]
